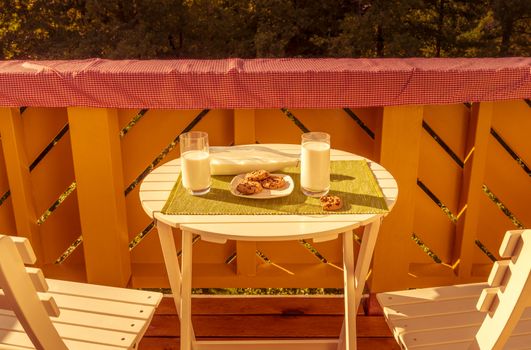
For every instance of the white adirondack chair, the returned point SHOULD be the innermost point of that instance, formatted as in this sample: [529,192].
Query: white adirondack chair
[488,316]
[39,313]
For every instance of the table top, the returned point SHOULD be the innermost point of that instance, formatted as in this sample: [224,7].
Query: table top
[156,187]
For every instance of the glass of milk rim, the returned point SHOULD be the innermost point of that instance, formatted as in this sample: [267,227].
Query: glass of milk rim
[195,162]
[315,164]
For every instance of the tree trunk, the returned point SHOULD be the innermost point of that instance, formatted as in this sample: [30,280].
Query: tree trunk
[507,32]
[440,28]
[379,41]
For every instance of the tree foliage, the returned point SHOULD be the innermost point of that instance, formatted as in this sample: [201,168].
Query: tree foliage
[68,29]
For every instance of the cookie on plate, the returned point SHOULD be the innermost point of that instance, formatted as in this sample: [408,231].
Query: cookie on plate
[257,175]
[331,202]
[273,182]
[249,187]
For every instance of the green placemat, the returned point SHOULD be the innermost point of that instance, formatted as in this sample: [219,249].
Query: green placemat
[353,181]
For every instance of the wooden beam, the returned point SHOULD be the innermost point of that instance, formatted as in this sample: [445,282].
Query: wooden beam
[100,190]
[471,191]
[399,153]
[18,174]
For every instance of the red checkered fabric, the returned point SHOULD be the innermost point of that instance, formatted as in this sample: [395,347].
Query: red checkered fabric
[262,83]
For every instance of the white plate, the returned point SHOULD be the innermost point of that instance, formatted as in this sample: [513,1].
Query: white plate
[265,194]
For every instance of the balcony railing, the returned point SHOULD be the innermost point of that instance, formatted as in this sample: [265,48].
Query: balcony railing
[77,138]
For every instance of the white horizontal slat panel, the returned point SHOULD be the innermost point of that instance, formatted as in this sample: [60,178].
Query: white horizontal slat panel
[94,291]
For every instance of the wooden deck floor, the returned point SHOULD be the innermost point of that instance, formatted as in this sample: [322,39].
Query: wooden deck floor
[264,318]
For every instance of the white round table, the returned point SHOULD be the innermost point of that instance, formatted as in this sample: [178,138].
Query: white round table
[157,186]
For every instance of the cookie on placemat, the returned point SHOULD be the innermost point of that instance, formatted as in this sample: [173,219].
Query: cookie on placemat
[257,175]
[273,182]
[331,202]
[249,187]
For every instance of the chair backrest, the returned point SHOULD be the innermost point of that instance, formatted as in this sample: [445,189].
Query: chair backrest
[509,292]
[23,290]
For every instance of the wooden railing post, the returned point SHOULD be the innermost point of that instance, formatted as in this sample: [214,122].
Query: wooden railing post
[100,190]
[18,174]
[399,153]
[244,133]
[471,191]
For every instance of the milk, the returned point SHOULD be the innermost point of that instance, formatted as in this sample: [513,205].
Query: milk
[315,167]
[195,170]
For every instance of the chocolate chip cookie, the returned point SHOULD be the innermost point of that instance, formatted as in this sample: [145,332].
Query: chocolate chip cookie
[273,182]
[249,187]
[257,175]
[331,202]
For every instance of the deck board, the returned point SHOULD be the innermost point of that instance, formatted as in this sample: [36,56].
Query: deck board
[245,318]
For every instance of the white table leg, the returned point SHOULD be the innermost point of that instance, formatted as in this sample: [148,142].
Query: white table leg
[368,242]
[349,339]
[171,262]
[187,335]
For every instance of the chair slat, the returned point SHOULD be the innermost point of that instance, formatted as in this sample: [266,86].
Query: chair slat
[24,249]
[487,299]
[432,308]
[80,345]
[470,318]
[95,335]
[509,243]
[498,272]
[47,301]
[439,336]
[49,304]
[37,278]
[462,345]
[13,339]
[104,307]
[414,296]
[82,319]
[103,292]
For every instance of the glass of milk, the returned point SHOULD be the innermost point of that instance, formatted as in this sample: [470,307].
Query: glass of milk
[195,162]
[315,164]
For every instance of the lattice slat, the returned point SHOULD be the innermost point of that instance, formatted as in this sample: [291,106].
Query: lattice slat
[434,227]
[41,125]
[53,176]
[509,182]
[492,224]
[440,173]
[144,142]
[512,120]
[61,229]
[450,122]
